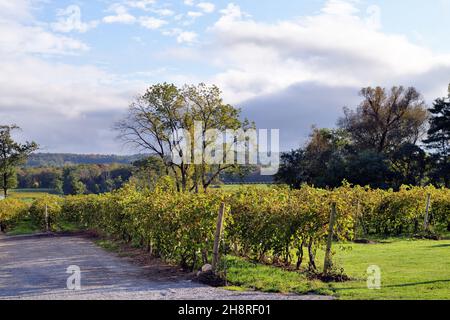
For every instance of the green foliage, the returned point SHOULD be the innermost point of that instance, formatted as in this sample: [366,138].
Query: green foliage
[11,211]
[76,179]
[30,195]
[375,145]
[11,180]
[50,205]
[438,141]
[12,154]
[156,117]
[386,119]
[274,225]
[60,160]
[411,270]
[147,172]
[71,183]
[177,226]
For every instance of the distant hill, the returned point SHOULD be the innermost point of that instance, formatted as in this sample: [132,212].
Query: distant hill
[64,159]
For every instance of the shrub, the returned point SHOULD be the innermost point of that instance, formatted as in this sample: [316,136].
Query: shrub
[50,204]
[11,211]
[273,225]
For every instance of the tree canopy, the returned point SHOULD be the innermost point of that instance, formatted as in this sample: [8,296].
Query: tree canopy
[154,122]
[438,140]
[377,144]
[12,154]
[385,120]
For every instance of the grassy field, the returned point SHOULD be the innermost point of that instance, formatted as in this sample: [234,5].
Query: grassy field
[233,187]
[410,269]
[29,195]
[26,226]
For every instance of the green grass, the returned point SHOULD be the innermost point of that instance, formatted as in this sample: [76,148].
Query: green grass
[264,278]
[234,187]
[26,227]
[29,195]
[410,269]
[23,227]
[108,245]
[65,226]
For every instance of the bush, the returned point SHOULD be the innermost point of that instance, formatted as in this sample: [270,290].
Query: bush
[274,225]
[38,211]
[11,211]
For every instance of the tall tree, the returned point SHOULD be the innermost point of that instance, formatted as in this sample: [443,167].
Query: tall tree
[320,163]
[385,120]
[438,140]
[147,172]
[71,182]
[155,120]
[12,154]
[408,165]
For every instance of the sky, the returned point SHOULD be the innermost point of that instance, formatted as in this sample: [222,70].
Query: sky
[70,68]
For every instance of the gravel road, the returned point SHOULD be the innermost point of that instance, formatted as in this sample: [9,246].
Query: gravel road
[34,267]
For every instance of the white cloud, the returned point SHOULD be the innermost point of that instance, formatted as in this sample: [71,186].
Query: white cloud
[189,2]
[21,34]
[374,17]
[142,4]
[164,12]
[187,37]
[207,7]
[194,14]
[151,22]
[15,10]
[69,20]
[340,7]
[338,46]
[52,101]
[231,13]
[34,84]
[17,39]
[121,15]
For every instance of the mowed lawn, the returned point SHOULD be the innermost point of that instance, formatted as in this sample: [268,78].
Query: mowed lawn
[410,269]
[29,195]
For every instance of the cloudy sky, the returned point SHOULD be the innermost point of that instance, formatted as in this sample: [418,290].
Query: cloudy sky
[69,68]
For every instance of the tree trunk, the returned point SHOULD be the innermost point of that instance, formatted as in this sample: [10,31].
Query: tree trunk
[287,258]
[300,255]
[312,262]
[5,184]
[328,264]
[205,256]
[218,236]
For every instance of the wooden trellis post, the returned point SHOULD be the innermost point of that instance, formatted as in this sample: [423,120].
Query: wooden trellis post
[328,263]
[218,237]
[47,227]
[427,210]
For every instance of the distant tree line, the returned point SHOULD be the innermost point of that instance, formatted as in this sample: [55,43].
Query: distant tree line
[390,139]
[67,159]
[73,180]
